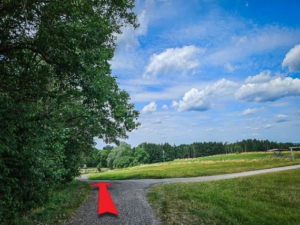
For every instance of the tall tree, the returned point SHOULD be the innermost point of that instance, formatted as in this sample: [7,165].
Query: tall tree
[56,92]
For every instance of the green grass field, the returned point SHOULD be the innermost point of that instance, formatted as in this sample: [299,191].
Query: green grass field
[204,166]
[63,203]
[271,198]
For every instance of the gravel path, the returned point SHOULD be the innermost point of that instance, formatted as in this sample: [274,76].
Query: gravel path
[130,199]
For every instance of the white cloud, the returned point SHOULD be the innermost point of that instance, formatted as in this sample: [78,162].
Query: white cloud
[268,126]
[292,59]
[257,41]
[129,37]
[174,104]
[150,108]
[262,77]
[195,100]
[229,67]
[172,60]
[273,90]
[165,107]
[280,118]
[252,111]
[143,20]
[222,87]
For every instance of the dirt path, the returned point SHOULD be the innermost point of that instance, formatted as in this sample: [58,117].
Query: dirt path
[130,199]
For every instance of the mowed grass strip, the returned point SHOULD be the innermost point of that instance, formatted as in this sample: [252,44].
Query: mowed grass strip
[272,198]
[222,164]
[64,200]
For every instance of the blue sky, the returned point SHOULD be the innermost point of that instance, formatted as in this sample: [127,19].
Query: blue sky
[212,70]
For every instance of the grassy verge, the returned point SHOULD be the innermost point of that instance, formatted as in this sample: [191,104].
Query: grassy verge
[64,201]
[203,166]
[262,199]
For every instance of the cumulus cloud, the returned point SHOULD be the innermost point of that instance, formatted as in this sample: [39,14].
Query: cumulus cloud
[252,111]
[280,118]
[221,87]
[172,60]
[150,108]
[262,77]
[268,126]
[273,90]
[292,59]
[174,104]
[195,100]
[165,107]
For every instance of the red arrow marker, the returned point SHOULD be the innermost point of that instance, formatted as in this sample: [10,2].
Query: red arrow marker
[105,203]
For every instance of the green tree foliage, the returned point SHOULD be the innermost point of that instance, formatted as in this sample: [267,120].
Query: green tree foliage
[126,161]
[141,155]
[122,156]
[108,147]
[56,93]
[113,157]
[91,158]
[166,152]
[116,153]
[154,151]
[102,155]
[99,166]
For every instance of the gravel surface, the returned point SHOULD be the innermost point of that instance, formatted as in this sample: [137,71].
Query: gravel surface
[130,199]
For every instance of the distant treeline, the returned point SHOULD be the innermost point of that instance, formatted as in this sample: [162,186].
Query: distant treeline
[167,152]
[124,156]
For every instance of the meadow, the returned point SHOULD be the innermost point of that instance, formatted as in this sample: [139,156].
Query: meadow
[271,198]
[203,166]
